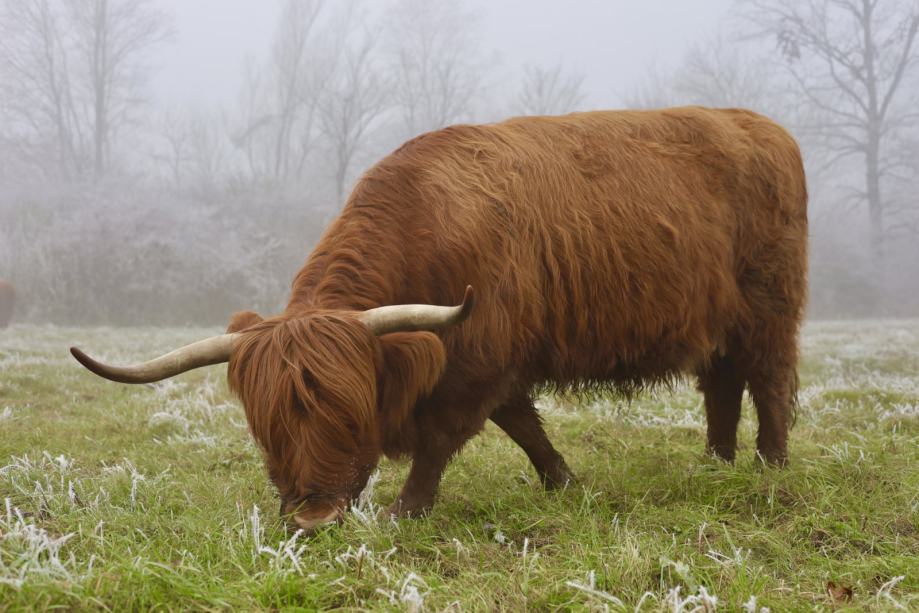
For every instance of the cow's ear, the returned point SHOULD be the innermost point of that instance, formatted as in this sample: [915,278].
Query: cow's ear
[412,364]
[242,320]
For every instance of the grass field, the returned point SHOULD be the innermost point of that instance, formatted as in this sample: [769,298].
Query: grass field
[118,497]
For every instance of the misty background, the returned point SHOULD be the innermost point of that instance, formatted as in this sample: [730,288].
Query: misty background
[171,162]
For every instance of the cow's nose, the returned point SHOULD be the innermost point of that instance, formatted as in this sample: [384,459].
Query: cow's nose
[309,523]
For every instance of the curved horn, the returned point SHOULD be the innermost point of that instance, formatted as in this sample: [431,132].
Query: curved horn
[413,317]
[213,350]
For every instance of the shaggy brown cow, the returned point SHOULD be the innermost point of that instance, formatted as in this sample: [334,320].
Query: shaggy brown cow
[7,301]
[608,250]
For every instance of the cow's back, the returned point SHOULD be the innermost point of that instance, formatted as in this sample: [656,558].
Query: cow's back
[604,246]
[607,245]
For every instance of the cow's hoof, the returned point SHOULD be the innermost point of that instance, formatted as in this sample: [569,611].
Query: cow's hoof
[558,480]
[401,510]
[558,477]
[777,459]
[724,454]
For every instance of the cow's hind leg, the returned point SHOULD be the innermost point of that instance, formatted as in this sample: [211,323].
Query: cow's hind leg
[773,389]
[520,421]
[771,372]
[722,384]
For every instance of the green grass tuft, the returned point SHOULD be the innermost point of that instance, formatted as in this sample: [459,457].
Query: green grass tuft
[118,497]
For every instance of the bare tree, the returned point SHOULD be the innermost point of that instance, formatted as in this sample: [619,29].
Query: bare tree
[654,91]
[717,73]
[279,102]
[72,71]
[353,101]
[851,60]
[174,153]
[254,122]
[434,63]
[111,37]
[549,91]
[208,155]
[36,90]
[293,93]
[193,148]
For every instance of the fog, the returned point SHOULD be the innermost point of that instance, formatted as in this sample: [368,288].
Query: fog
[610,43]
[171,162]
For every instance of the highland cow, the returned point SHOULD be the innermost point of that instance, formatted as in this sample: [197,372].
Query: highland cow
[7,302]
[609,251]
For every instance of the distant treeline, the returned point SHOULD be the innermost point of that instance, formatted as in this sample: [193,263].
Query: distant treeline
[114,211]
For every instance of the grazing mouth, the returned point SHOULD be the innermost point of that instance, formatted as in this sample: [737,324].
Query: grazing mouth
[311,524]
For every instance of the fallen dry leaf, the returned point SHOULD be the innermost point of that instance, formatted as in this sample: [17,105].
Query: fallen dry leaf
[838,592]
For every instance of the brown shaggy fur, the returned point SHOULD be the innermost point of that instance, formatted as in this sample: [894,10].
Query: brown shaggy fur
[608,250]
[7,300]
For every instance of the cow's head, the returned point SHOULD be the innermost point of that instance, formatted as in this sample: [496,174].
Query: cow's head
[316,388]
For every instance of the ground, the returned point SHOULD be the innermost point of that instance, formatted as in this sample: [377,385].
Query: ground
[119,497]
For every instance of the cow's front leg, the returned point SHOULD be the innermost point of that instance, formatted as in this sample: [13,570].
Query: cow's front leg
[438,441]
[417,495]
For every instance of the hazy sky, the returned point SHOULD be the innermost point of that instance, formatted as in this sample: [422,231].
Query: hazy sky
[612,42]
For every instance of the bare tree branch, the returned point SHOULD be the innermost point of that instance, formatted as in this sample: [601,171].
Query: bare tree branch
[433,63]
[548,91]
[856,81]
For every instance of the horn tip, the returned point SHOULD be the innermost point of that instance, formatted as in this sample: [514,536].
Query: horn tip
[78,354]
[99,369]
[468,302]
[87,362]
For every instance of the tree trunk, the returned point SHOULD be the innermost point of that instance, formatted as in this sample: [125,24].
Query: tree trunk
[100,69]
[873,195]
[874,123]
